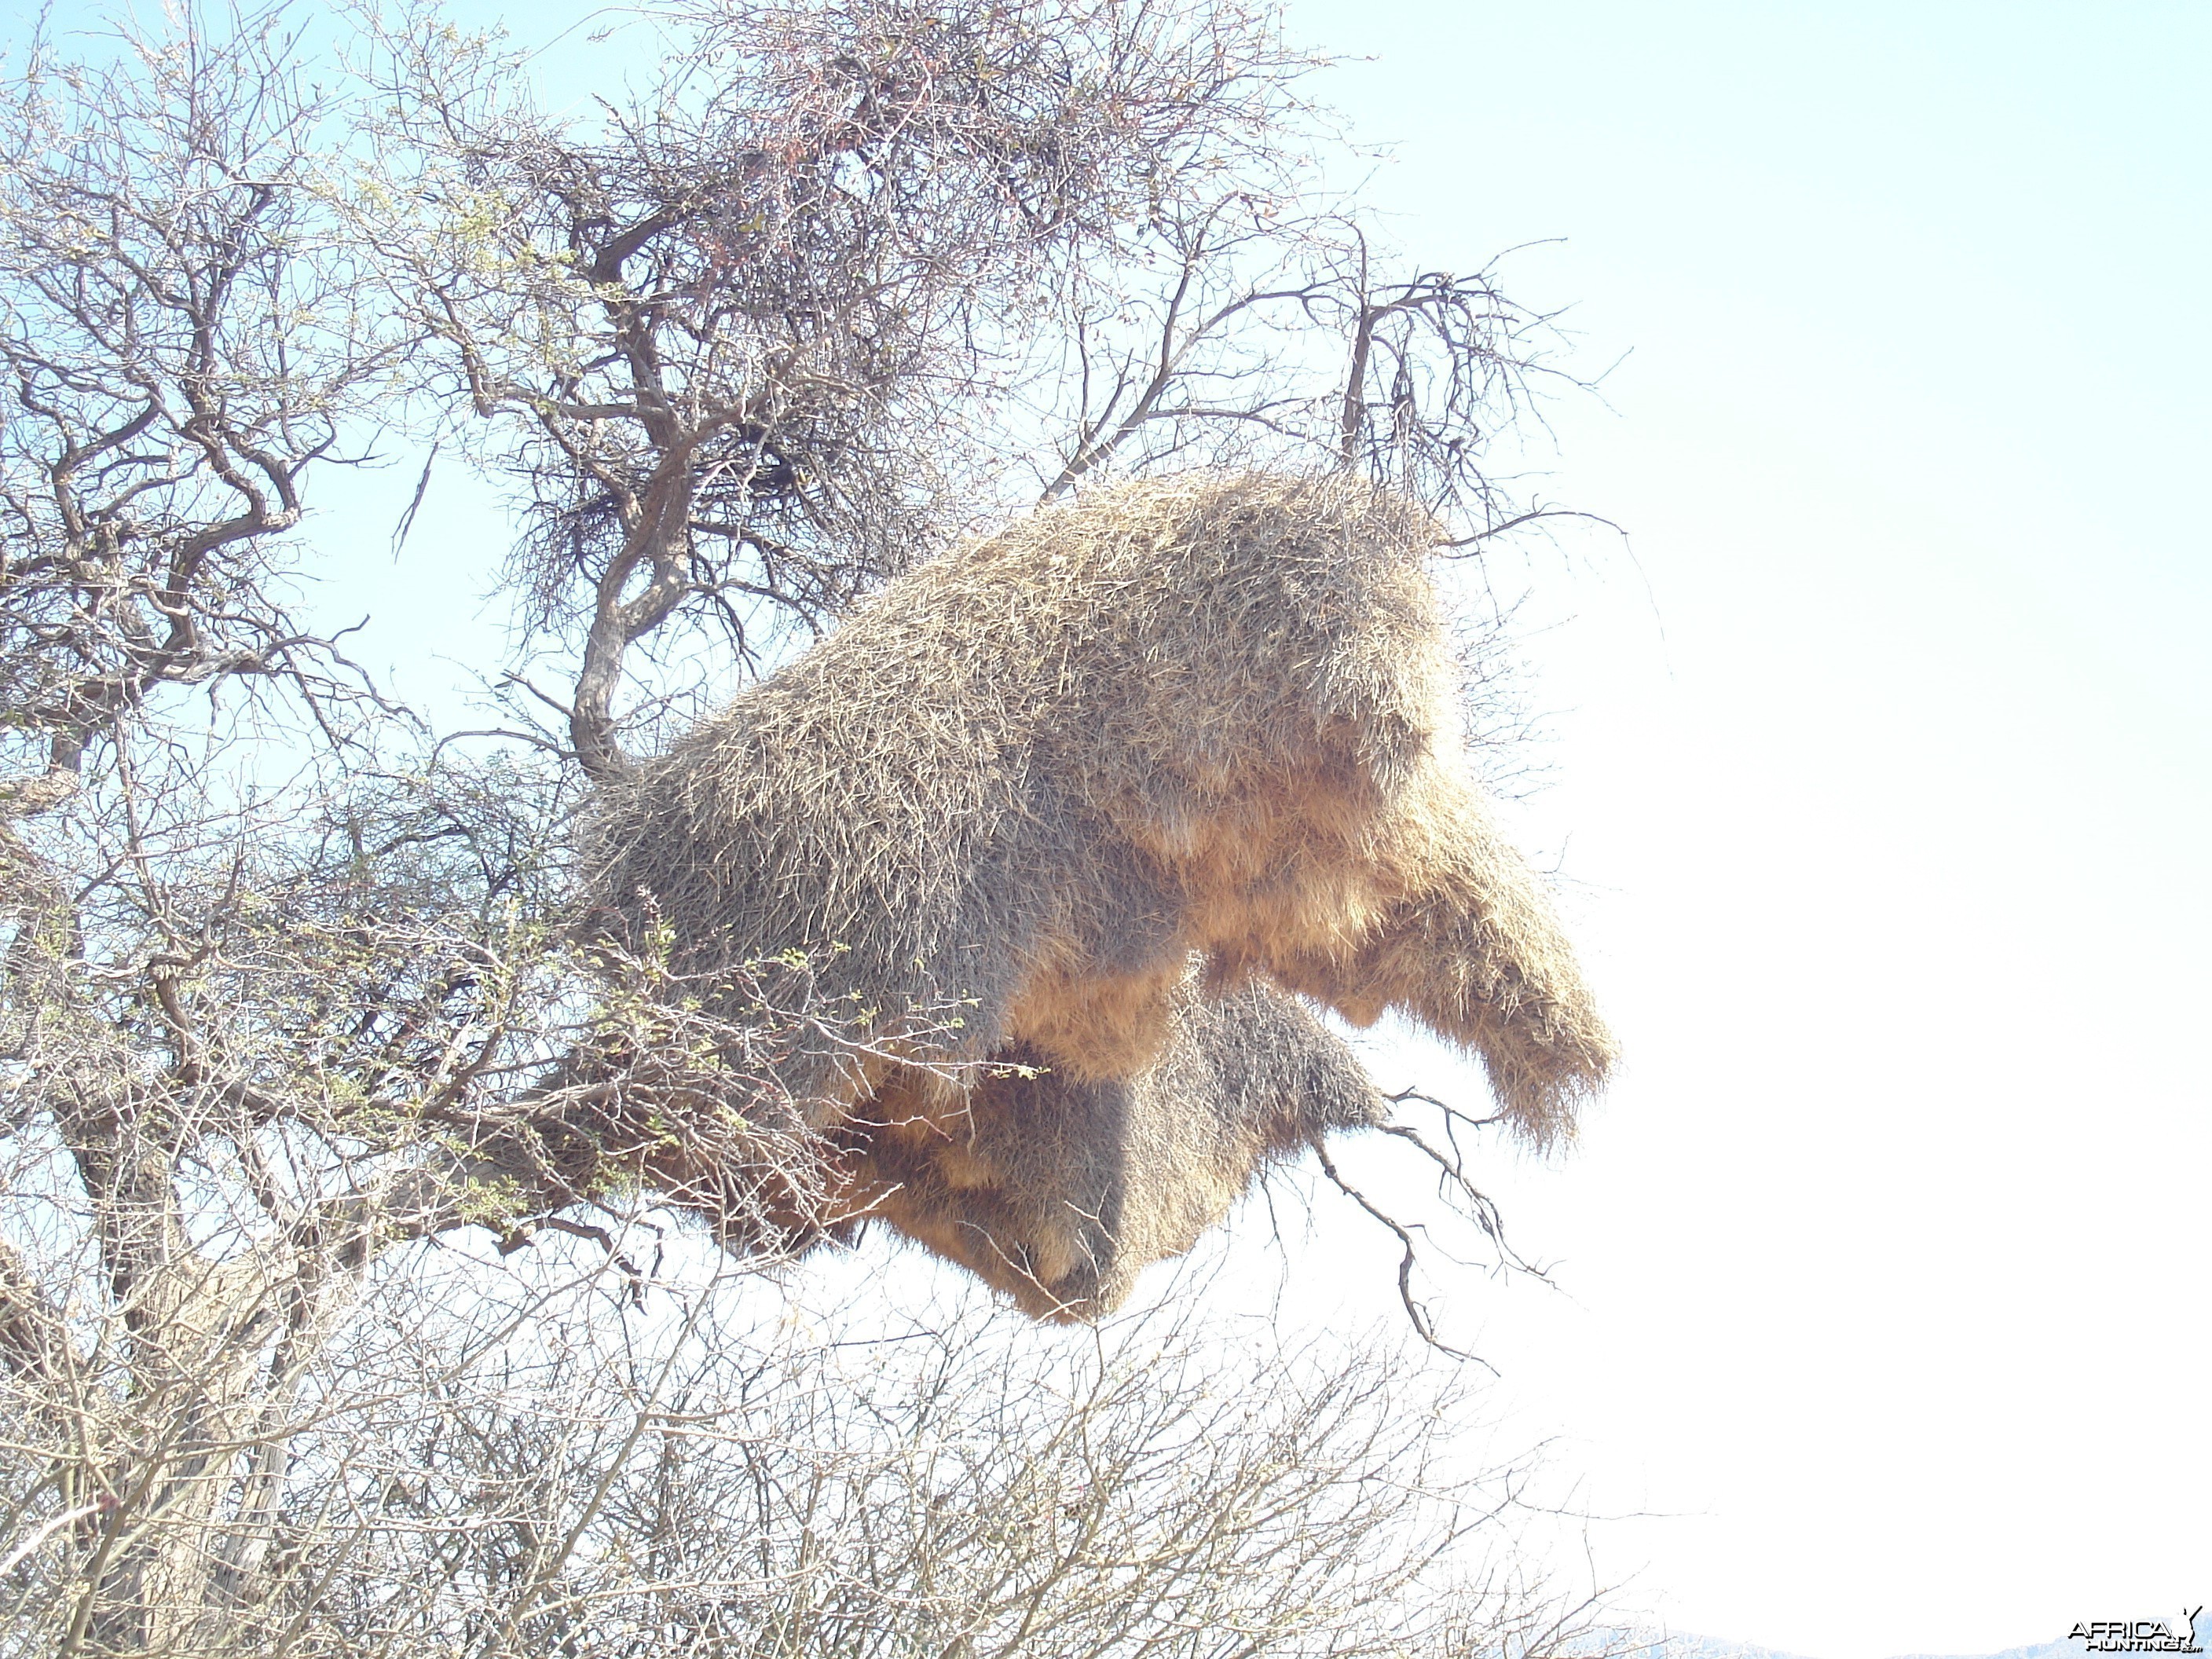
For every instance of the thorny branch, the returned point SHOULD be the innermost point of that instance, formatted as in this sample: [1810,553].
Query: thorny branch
[745,355]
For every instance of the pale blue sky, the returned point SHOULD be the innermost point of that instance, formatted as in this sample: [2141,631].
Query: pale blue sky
[1891,1250]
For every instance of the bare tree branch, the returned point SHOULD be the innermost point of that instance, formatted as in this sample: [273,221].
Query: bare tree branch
[327,1320]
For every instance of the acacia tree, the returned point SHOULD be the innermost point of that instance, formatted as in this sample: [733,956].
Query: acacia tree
[288,1001]
[842,279]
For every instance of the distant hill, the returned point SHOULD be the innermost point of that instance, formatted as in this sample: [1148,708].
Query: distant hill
[2062,1649]
[1714,1647]
[1711,1647]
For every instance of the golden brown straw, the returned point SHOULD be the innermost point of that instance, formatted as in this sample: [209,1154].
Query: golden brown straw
[1002,810]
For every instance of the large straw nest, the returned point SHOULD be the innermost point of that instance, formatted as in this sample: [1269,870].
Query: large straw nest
[997,814]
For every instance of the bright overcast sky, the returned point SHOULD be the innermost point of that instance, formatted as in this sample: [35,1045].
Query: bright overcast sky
[1883,780]
[1888,1259]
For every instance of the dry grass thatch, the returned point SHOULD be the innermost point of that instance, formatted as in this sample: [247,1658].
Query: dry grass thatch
[1059,1191]
[1032,780]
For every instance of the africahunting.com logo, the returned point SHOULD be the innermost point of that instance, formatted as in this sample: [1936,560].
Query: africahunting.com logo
[2140,1635]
